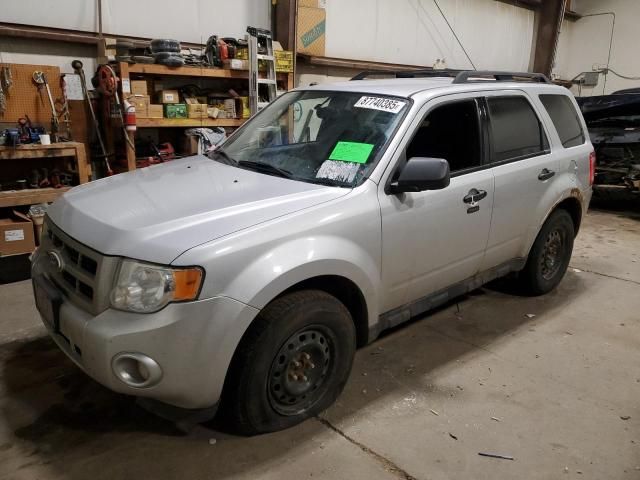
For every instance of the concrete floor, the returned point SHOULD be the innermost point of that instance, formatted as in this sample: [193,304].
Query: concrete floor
[558,391]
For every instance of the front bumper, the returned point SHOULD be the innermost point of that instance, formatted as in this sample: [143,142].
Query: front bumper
[192,342]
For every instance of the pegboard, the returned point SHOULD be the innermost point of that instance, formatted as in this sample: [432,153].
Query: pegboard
[25,98]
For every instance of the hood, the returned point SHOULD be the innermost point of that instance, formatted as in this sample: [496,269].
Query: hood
[157,213]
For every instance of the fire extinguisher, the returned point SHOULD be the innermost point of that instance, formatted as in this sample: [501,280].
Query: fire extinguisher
[129,116]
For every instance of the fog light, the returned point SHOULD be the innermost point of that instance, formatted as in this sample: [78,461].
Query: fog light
[136,370]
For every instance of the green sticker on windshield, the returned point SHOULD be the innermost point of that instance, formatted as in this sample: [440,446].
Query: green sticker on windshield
[351,152]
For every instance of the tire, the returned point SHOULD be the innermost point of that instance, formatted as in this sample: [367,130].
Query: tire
[550,255]
[291,364]
[165,45]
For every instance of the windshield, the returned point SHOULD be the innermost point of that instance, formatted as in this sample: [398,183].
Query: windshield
[332,138]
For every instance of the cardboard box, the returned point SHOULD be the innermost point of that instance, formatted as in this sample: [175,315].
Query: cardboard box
[16,235]
[284,61]
[243,107]
[312,3]
[155,111]
[141,102]
[236,64]
[140,87]
[230,108]
[175,110]
[190,145]
[169,96]
[197,110]
[213,112]
[311,30]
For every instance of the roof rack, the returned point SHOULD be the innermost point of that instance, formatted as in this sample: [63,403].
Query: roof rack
[460,76]
[482,76]
[421,73]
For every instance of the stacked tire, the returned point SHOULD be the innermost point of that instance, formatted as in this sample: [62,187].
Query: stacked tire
[167,52]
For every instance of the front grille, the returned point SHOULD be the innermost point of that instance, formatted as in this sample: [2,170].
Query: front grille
[86,275]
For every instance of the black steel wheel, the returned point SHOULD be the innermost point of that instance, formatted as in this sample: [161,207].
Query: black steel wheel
[299,370]
[551,258]
[291,364]
[550,254]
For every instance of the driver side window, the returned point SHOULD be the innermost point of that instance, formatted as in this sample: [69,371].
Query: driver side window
[450,131]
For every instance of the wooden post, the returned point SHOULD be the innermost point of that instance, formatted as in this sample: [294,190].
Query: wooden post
[549,21]
[84,168]
[131,152]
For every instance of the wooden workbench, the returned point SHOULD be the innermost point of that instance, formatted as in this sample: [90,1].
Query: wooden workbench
[32,196]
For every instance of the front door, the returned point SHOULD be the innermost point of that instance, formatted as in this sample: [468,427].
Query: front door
[434,239]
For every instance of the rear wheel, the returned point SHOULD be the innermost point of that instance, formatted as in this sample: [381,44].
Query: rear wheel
[550,255]
[292,363]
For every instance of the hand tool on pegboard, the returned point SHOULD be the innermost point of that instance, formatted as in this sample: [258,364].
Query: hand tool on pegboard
[77,67]
[41,80]
[6,81]
[62,109]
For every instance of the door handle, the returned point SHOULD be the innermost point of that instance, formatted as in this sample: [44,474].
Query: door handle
[474,196]
[546,174]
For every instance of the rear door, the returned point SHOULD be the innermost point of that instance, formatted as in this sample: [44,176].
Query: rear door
[524,170]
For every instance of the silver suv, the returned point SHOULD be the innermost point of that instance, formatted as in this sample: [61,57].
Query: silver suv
[246,279]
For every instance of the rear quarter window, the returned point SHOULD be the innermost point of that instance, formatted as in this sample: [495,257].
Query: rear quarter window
[516,131]
[565,118]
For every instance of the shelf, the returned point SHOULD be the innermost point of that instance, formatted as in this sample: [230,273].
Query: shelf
[155,69]
[189,122]
[31,196]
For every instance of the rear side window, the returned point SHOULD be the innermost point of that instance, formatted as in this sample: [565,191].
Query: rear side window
[565,119]
[516,131]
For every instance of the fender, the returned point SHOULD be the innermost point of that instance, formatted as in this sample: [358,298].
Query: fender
[564,187]
[302,259]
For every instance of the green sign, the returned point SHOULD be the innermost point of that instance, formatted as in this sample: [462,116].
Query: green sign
[351,152]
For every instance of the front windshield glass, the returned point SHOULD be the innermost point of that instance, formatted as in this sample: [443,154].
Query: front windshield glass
[332,138]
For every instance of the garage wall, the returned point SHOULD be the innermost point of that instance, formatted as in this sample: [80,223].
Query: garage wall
[585,43]
[187,20]
[496,35]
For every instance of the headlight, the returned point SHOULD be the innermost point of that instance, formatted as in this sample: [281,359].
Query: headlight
[145,288]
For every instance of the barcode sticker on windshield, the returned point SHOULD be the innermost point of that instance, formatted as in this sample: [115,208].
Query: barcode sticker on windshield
[339,171]
[379,103]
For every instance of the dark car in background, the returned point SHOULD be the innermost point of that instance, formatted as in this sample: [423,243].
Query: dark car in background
[614,127]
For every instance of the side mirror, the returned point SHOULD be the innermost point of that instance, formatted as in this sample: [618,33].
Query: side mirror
[422,173]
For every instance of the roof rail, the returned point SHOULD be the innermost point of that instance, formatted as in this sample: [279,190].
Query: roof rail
[459,76]
[422,73]
[484,75]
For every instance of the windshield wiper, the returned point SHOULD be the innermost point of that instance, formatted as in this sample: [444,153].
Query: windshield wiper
[265,168]
[227,159]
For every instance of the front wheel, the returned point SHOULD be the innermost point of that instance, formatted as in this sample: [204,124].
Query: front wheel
[550,255]
[292,363]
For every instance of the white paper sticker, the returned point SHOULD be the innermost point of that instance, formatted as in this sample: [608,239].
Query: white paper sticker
[126,85]
[73,86]
[13,235]
[380,103]
[168,97]
[338,171]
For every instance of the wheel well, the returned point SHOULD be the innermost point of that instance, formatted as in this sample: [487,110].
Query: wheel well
[573,208]
[348,293]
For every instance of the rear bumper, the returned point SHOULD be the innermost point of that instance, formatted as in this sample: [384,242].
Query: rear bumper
[192,343]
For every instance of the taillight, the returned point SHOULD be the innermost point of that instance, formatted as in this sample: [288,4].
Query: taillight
[592,167]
